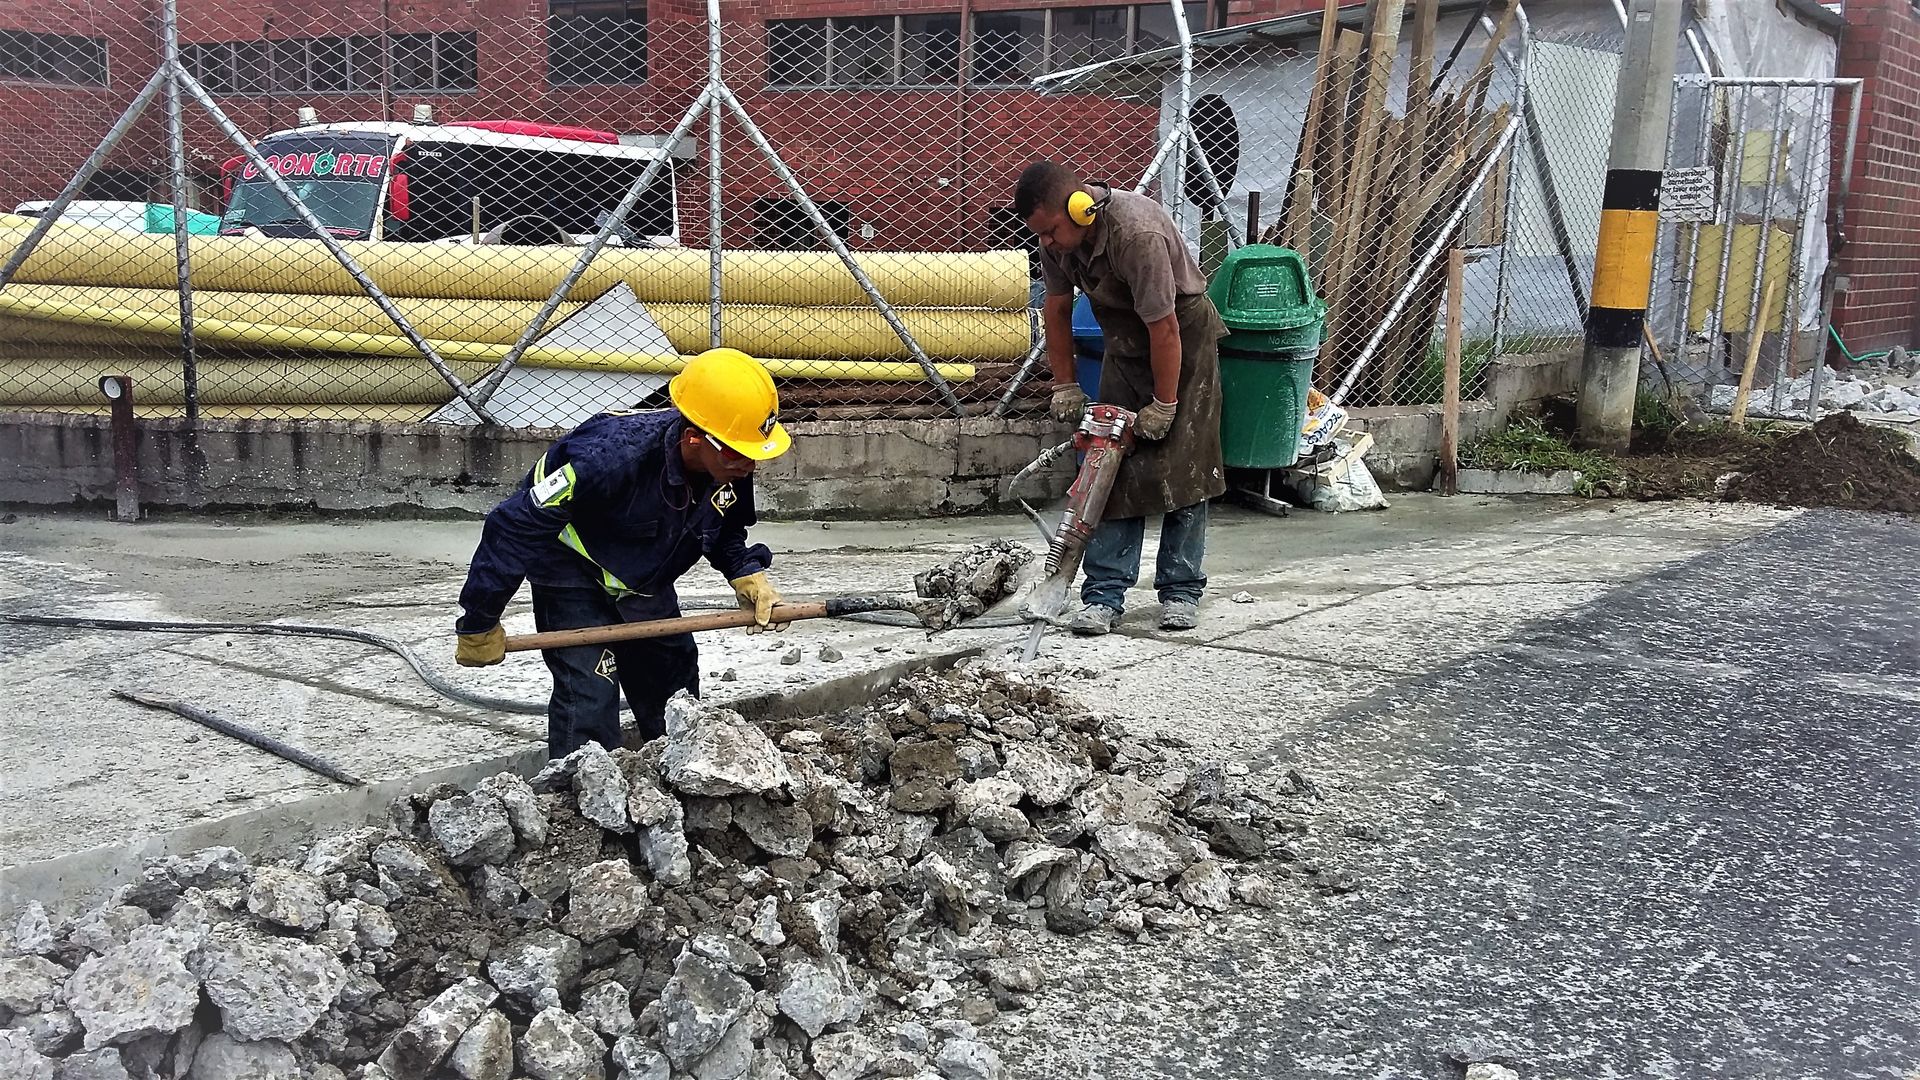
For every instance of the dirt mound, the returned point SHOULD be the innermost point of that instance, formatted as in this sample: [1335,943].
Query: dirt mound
[1836,462]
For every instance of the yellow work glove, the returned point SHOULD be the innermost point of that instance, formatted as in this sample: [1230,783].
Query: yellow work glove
[1068,402]
[484,649]
[757,594]
[1153,422]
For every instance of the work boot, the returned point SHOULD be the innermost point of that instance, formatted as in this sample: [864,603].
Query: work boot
[1093,620]
[1179,615]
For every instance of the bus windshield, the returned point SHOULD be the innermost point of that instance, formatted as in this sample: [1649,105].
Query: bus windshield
[338,178]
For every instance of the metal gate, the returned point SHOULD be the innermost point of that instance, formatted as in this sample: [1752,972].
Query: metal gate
[1757,176]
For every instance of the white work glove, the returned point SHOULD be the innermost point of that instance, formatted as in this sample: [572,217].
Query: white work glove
[1069,402]
[1153,422]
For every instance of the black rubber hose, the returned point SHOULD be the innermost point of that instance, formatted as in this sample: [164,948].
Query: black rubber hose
[399,648]
[258,740]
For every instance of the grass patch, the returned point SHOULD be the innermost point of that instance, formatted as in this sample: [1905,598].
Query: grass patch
[1527,446]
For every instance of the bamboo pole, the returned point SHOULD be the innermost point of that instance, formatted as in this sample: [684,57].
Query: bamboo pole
[1755,337]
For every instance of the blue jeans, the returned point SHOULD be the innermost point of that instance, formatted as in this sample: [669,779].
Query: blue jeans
[587,679]
[1112,562]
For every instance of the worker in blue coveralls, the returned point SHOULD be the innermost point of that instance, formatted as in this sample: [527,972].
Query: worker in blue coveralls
[605,522]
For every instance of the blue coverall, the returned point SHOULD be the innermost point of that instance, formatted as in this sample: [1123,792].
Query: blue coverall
[601,527]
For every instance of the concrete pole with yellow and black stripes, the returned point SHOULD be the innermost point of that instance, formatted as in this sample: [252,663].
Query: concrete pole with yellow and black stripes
[1629,224]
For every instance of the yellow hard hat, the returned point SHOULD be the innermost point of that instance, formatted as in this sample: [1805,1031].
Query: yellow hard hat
[730,396]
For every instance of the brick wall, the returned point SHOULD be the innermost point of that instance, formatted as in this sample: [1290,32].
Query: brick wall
[1881,258]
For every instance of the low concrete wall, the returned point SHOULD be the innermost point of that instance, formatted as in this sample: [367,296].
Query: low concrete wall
[900,468]
[1406,438]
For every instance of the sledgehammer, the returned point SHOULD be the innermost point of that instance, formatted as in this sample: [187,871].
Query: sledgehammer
[931,613]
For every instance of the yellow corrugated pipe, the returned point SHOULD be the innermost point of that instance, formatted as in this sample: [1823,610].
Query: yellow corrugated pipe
[83,255]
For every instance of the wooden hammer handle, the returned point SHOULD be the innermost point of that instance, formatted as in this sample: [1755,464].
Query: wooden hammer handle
[656,628]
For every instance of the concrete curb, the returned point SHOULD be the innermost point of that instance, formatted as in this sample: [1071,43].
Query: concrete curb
[70,883]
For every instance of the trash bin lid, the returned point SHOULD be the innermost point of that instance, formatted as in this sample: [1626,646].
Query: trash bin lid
[1265,287]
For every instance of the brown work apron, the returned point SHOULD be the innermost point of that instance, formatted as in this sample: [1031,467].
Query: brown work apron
[1185,467]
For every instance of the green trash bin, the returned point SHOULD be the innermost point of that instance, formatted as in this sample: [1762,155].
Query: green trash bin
[1274,324]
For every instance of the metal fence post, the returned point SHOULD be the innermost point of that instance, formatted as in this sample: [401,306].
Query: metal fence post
[715,248]
[177,158]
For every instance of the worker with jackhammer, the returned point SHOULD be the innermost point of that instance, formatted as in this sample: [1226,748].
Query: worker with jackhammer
[605,522]
[1162,362]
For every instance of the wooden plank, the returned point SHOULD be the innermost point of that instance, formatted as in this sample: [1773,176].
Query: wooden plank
[1297,218]
[1382,48]
[1336,150]
[1450,387]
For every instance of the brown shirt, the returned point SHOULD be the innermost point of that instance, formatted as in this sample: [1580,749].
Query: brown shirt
[1133,258]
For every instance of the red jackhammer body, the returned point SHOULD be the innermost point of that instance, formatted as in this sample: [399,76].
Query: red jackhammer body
[1104,437]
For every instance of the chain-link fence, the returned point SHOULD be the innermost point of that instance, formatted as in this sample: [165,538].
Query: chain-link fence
[410,217]
[1751,159]
[443,212]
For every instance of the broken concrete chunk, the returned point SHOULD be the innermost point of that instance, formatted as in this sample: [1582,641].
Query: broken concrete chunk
[269,988]
[965,1059]
[106,1063]
[1205,885]
[1049,777]
[20,1061]
[557,1046]
[529,821]
[637,1060]
[55,1032]
[27,983]
[472,829]
[485,1051]
[347,853]
[1147,852]
[103,928]
[221,1057]
[33,931]
[715,752]
[1121,800]
[1000,823]
[605,899]
[600,789]
[819,993]
[647,802]
[992,791]
[1022,975]
[607,1008]
[737,955]
[731,1059]
[846,1055]
[540,959]
[405,869]
[1487,1070]
[791,656]
[775,828]
[132,991]
[663,846]
[419,1047]
[831,655]
[698,1005]
[288,898]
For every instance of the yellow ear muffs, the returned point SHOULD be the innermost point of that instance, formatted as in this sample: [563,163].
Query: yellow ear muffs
[1082,208]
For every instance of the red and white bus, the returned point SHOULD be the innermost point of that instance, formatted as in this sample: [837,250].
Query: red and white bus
[498,181]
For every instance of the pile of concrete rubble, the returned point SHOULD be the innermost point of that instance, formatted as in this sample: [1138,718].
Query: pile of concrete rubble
[836,897]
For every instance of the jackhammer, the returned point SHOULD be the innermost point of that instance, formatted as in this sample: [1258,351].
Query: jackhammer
[1104,438]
